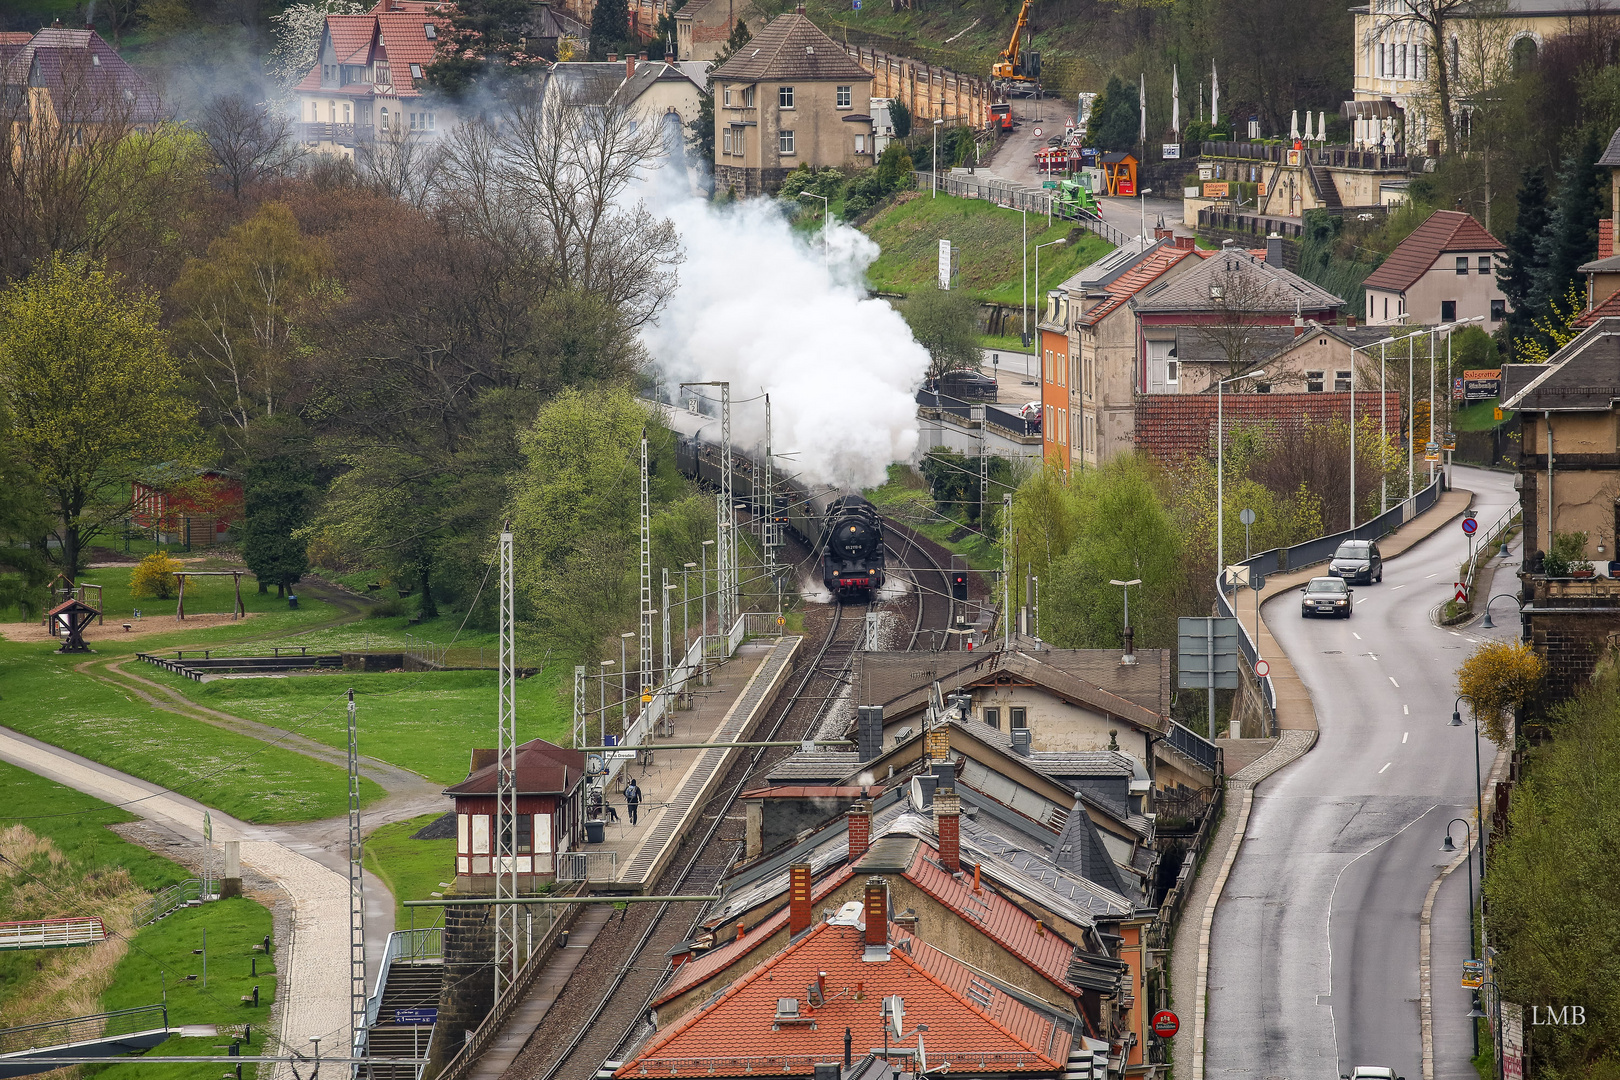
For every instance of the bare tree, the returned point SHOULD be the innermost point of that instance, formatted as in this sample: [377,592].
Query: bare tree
[1239,291]
[250,142]
[400,164]
[1441,22]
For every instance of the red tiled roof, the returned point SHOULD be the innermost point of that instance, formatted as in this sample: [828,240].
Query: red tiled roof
[1605,237]
[701,968]
[405,37]
[737,1033]
[1134,281]
[1176,426]
[542,768]
[1445,230]
[351,34]
[15,37]
[87,80]
[998,918]
[1606,310]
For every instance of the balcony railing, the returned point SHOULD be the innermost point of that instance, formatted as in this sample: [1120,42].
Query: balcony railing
[349,135]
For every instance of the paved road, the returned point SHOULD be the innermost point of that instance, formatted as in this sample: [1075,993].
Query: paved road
[1314,954]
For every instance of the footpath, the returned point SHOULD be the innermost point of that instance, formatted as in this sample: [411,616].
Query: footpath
[1297,732]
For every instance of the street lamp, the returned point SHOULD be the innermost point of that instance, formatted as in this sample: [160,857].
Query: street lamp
[1220,474]
[1049,243]
[703,596]
[937,123]
[1353,352]
[1487,624]
[1142,198]
[601,702]
[1130,648]
[1473,954]
[1479,780]
[826,224]
[624,673]
[686,610]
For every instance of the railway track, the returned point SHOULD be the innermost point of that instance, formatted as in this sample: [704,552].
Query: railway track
[932,584]
[603,1014]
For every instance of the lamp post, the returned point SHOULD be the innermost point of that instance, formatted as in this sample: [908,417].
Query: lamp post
[1473,954]
[1443,328]
[1487,624]
[935,193]
[1129,648]
[686,608]
[1142,199]
[1220,475]
[601,702]
[826,225]
[624,689]
[703,629]
[1479,779]
[1353,351]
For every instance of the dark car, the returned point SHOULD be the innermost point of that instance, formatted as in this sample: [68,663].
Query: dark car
[968,384]
[1327,596]
[1358,561]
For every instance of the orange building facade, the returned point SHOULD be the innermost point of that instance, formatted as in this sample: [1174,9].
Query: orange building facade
[1053,343]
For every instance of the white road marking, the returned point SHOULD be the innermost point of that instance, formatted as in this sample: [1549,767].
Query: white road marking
[1396,684]
[1373,655]
[1392,588]
[1472,641]
[1431,575]
[1406,710]
[1404,735]
[1363,600]
[1453,633]
[1386,766]
[1355,635]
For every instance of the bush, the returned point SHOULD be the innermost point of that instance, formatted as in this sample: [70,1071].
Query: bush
[153,577]
[1500,675]
[391,608]
[1568,554]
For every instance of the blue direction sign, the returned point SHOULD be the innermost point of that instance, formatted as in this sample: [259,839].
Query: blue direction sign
[412,1017]
[1469,525]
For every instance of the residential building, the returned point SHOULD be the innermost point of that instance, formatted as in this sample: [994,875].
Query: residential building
[185,505]
[368,83]
[1102,344]
[792,97]
[550,782]
[1443,272]
[1569,482]
[1052,348]
[57,79]
[1393,57]
[1173,427]
[702,27]
[657,89]
[1230,306]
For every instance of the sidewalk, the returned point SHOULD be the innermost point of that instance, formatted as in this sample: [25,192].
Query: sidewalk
[673,782]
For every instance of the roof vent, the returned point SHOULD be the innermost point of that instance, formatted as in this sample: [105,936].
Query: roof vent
[1217,291]
[787,1008]
[809,50]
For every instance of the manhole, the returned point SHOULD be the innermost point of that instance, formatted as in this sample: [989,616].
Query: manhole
[1332,652]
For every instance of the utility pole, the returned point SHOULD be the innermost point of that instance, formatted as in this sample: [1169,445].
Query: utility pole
[726,535]
[357,899]
[767,535]
[646,583]
[506,915]
[1006,569]
[581,734]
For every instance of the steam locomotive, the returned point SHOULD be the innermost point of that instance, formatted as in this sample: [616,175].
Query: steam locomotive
[843,527]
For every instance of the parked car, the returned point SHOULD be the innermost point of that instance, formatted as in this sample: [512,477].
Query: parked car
[1358,561]
[1327,596]
[1371,1072]
[968,384]
[1031,411]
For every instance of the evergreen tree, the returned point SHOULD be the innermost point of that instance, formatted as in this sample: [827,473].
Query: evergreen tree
[1570,237]
[1114,117]
[486,36]
[1524,265]
[610,28]
[276,496]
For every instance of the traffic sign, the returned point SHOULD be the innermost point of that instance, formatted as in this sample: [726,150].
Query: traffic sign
[1165,1023]
[1469,525]
[1247,517]
[1462,593]
[1261,669]
[1037,133]
[1473,974]
[415,1017]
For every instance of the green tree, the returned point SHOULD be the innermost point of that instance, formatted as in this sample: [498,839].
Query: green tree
[24,520]
[94,394]
[610,28]
[899,118]
[486,38]
[277,496]
[1570,237]
[1525,265]
[946,323]
[1115,117]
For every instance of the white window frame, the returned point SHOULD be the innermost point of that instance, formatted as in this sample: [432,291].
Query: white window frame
[784,142]
[784,97]
[845,97]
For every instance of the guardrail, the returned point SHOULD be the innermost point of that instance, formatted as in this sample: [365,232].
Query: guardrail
[1163,926]
[1016,197]
[84,1028]
[169,900]
[587,866]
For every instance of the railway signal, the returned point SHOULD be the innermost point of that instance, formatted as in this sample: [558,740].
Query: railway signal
[959,585]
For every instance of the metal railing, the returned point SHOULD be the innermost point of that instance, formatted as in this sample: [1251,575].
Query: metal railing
[1017,197]
[169,900]
[587,866]
[57,933]
[1482,548]
[84,1028]
[407,947]
[1195,746]
[1163,927]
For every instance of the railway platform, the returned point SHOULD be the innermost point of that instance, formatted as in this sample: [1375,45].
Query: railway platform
[675,784]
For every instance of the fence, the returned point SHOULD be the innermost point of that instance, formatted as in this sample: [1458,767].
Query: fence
[1195,746]
[1482,548]
[84,1028]
[1336,157]
[1014,197]
[169,900]
[588,866]
[1279,560]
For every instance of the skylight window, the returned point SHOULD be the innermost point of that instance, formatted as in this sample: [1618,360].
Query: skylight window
[416,71]
[96,60]
[431,31]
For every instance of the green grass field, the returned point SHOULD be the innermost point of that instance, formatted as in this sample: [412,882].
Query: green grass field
[1478,416]
[423,721]
[412,869]
[249,779]
[990,241]
[156,969]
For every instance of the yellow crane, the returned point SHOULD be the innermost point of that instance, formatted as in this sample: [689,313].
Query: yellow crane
[1018,68]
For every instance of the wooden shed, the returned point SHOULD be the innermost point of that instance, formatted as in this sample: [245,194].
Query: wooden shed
[550,814]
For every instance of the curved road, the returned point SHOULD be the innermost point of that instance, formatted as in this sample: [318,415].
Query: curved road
[1314,951]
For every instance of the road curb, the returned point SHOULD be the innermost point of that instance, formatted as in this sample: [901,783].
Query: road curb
[1498,771]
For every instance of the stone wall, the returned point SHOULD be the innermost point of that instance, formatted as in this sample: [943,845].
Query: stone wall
[469,982]
[1578,624]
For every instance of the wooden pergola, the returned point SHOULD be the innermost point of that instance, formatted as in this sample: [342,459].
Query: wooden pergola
[237,611]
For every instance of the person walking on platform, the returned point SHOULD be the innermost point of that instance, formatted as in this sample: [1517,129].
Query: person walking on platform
[632,799]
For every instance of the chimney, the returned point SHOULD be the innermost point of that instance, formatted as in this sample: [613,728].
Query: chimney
[643,55]
[869,731]
[629,66]
[1274,250]
[860,829]
[1186,243]
[1162,233]
[1130,646]
[613,58]
[948,824]
[877,911]
[798,898]
[1350,321]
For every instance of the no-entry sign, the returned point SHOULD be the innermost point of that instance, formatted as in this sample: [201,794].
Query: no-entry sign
[1165,1023]
[1261,668]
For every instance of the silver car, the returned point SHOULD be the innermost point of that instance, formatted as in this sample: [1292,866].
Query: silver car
[1327,596]
[1358,561]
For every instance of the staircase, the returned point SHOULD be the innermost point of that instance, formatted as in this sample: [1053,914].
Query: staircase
[409,986]
[188,893]
[1326,189]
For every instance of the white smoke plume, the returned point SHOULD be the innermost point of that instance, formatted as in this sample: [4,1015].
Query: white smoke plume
[758,306]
